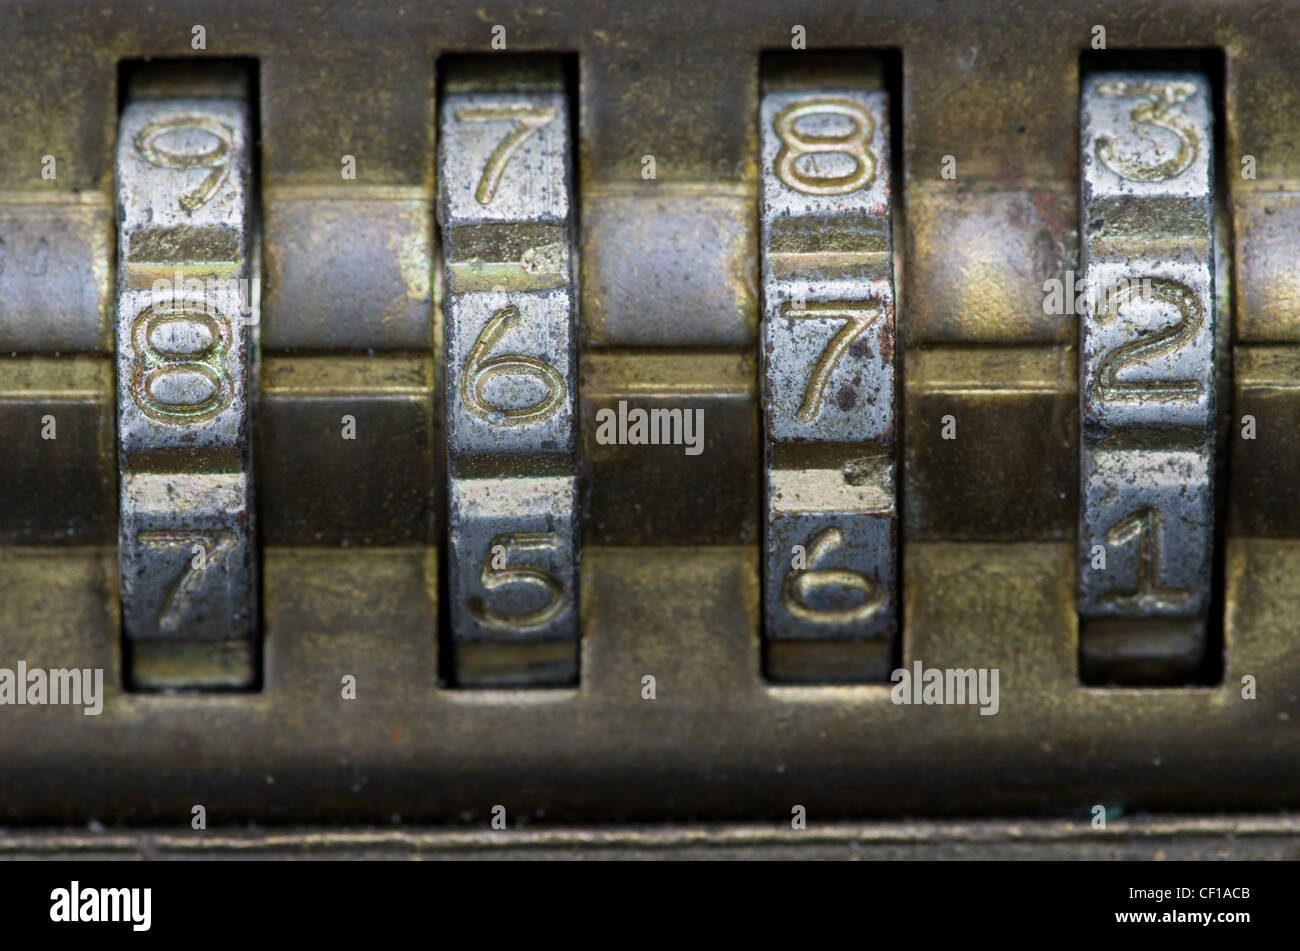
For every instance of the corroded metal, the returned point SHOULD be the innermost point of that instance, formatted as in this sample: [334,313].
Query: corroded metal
[186,369]
[505,207]
[828,378]
[989,559]
[1148,399]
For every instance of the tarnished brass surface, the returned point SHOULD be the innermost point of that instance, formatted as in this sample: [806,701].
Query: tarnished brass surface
[658,495]
[1009,472]
[669,265]
[984,257]
[348,267]
[1268,288]
[54,272]
[716,743]
[319,489]
[670,571]
[1262,501]
[59,491]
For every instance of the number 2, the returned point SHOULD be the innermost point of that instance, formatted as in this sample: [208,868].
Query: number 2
[1146,348]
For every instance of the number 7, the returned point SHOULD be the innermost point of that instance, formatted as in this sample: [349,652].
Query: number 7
[214,546]
[858,317]
[530,119]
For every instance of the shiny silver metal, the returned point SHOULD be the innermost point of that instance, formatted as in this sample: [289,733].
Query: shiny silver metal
[186,337]
[1148,344]
[828,384]
[505,209]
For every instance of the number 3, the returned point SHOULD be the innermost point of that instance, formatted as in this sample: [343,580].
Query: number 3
[1158,112]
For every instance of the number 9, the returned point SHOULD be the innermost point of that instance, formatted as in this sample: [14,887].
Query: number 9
[148,142]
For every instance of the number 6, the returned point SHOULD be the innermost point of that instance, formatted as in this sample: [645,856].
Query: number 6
[480,371]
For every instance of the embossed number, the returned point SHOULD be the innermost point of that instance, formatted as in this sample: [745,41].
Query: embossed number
[151,142]
[519,574]
[480,370]
[529,119]
[858,317]
[1159,111]
[215,546]
[795,145]
[1143,526]
[1147,348]
[800,582]
[180,372]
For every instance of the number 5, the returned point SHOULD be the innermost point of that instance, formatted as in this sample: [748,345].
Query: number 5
[529,119]
[493,578]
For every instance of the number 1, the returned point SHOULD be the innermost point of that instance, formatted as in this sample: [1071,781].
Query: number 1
[1143,527]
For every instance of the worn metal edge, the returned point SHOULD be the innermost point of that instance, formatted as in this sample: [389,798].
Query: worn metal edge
[1228,836]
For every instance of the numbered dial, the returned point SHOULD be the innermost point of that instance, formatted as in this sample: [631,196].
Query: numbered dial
[186,345]
[505,212]
[1149,342]
[828,383]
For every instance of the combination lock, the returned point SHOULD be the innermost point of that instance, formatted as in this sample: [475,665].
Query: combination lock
[673,413]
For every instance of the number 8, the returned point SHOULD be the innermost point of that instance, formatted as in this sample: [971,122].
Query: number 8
[795,145]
